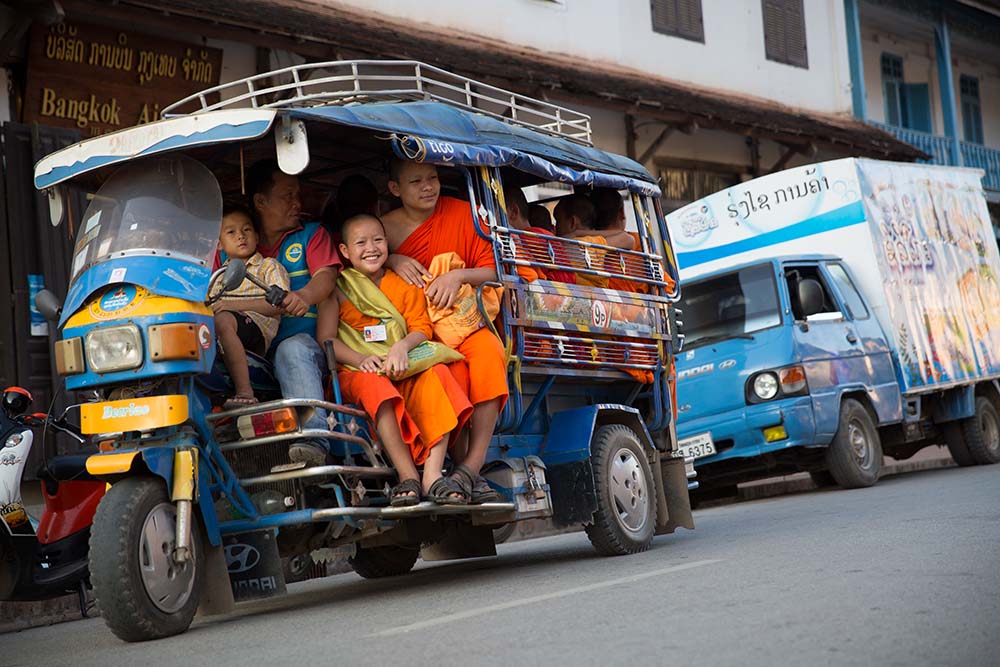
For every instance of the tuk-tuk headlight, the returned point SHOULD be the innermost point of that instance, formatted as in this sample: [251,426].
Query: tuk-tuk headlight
[111,349]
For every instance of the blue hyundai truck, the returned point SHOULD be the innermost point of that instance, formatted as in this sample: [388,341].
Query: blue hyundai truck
[834,314]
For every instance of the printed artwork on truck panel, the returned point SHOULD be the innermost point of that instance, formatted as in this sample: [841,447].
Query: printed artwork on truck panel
[935,247]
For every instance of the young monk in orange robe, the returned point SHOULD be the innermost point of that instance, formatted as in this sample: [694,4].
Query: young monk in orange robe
[575,220]
[427,225]
[414,416]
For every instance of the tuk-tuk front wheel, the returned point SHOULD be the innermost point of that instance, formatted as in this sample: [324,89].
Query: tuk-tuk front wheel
[143,592]
[626,502]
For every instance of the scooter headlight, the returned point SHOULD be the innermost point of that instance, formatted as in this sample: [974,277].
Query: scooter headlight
[765,386]
[14,440]
[116,348]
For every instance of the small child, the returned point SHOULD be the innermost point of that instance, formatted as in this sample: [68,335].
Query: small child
[413,415]
[244,320]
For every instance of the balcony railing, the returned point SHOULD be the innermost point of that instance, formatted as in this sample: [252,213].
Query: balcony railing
[939,148]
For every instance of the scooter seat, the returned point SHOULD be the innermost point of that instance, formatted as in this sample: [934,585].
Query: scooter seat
[68,468]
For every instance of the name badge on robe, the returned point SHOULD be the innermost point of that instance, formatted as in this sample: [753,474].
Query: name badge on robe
[375,333]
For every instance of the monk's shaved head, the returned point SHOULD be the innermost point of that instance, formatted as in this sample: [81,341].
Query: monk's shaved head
[353,222]
[398,166]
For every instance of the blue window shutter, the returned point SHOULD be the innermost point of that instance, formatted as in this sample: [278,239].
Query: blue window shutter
[917,106]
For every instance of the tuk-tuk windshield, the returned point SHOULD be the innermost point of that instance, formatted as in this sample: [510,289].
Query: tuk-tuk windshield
[167,206]
[733,305]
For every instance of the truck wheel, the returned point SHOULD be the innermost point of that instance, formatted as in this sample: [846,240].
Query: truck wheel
[854,458]
[378,562]
[142,591]
[981,433]
[954,437]
[626,504]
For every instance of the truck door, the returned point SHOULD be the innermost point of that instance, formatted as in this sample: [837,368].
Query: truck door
[880,376]
[827,342]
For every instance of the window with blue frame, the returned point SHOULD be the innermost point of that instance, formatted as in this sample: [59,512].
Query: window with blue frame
[972,115]
[906,104]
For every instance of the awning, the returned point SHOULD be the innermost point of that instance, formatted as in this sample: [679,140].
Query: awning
[314,27]
[440,134]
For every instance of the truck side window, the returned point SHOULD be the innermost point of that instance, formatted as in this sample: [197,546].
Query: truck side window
[807,283]
[856,308]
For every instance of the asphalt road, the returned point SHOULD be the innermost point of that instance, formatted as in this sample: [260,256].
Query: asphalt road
[907,573]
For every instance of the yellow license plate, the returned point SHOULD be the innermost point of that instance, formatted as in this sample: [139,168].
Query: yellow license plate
[136,414]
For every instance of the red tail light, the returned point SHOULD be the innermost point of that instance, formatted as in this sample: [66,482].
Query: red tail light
[267,423]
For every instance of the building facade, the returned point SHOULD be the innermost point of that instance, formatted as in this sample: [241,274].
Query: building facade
[705,93]
[929,72]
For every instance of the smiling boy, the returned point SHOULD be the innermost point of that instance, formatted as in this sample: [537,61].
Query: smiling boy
[413,415]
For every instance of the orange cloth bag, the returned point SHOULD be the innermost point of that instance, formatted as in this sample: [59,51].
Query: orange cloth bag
[453,325]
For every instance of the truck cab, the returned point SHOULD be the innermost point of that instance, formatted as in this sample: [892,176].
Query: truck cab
[771,349]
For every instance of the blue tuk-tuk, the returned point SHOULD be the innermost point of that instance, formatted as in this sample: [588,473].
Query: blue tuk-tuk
[204,503]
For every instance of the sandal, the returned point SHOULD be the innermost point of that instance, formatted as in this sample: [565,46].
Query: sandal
[399,494]
[239,401]
[482,492]
[443,492]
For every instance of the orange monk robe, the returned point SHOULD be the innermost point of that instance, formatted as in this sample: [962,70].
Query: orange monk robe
[450,228]
[596,261]
[622,284]
[429,405]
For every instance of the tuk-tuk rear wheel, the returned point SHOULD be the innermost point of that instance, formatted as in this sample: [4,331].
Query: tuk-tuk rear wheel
[625,519]
[142,592]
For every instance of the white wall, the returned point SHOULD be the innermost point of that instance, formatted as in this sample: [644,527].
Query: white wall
[731,59]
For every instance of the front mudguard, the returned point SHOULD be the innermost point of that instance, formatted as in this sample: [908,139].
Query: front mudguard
[158,462]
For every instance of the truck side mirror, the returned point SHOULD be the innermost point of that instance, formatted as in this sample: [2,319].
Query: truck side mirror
[810,297]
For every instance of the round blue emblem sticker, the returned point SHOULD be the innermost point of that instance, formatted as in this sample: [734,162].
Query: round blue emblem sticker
[294,252]
[117,298]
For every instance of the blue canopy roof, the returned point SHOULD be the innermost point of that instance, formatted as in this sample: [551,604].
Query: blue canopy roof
[437,133]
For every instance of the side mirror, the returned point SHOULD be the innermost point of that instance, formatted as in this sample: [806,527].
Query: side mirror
[236,273]
[48,305]
[810,296]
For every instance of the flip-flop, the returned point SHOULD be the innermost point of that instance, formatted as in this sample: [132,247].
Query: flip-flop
[398,494]
[239,401]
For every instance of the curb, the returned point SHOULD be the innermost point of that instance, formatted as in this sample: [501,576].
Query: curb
[800,484]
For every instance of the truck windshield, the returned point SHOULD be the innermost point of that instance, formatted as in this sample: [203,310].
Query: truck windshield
[164,206]
[733,305]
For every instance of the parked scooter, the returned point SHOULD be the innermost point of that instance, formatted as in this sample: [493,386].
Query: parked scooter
[45,558]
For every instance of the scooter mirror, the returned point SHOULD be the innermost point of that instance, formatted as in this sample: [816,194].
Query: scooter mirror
[236,273]
[48,305]
[16,401]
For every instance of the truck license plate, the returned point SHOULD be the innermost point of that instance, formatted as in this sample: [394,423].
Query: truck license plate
[698,446]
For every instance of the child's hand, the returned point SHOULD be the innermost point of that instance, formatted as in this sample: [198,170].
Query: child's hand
[371,364]
[397,361]
[218,307]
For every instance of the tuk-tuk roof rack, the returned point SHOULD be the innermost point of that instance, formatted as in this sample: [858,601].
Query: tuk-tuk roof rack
[347,82]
